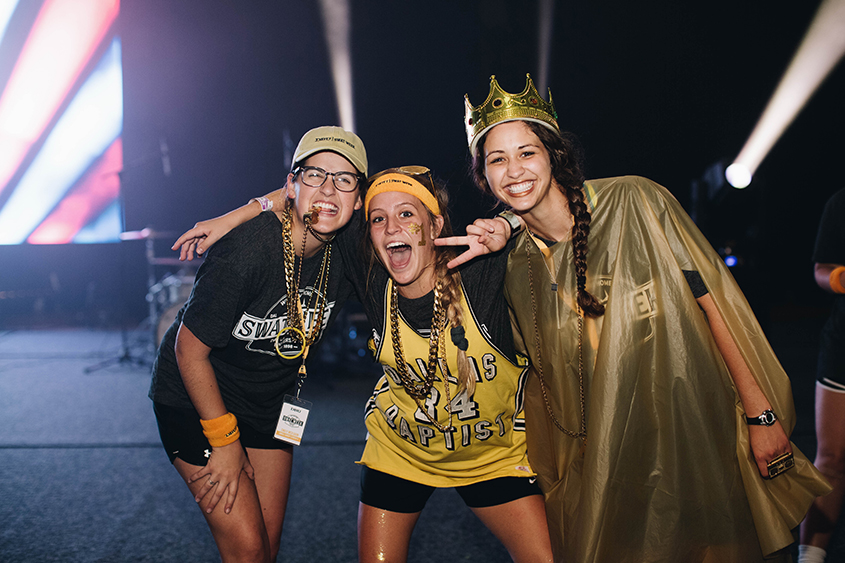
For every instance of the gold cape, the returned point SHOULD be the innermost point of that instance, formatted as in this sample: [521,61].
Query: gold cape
[667,475]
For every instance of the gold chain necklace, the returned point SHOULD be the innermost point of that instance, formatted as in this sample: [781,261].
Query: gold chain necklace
[582,433]
[420,390]
[296,321]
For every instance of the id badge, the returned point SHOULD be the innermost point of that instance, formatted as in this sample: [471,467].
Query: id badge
[292,419]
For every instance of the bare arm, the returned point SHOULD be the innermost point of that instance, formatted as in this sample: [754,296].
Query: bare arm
[226,462]
[767,442]
[206,233]
[822,272]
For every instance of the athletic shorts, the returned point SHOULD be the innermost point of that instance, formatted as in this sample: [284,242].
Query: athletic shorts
[831,365]
[181,435]
[381,490]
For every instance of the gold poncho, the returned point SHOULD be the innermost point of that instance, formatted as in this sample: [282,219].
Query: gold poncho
[667,474]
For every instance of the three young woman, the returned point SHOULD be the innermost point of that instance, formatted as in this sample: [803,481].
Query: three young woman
[657,414]
[239,345]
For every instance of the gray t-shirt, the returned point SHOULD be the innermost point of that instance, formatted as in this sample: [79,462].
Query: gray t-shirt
[237,307]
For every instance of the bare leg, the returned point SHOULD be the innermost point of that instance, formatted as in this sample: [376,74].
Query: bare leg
[272,481]
[240,535]
[521,527]
[384,536]
[820,522]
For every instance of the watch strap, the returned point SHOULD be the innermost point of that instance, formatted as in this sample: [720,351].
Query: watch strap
[510,217]
[766,418]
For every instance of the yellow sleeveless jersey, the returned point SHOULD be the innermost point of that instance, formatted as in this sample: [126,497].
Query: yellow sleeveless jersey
[488,440]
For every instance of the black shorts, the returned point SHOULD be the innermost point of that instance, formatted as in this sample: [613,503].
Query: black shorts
[181,435]
[831,364]
[395,494]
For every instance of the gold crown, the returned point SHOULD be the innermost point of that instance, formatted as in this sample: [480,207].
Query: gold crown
[501,106]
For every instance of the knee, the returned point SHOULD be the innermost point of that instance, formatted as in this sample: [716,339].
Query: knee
[250,547]
[831,462]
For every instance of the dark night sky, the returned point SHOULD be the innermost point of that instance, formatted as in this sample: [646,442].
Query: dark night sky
[661,89]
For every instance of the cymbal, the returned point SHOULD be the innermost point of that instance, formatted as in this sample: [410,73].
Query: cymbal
[147,233]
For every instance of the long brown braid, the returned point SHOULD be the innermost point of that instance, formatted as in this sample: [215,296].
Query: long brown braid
[450,280]
[565,159]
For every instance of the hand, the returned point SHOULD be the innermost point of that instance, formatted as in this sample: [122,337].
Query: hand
[767,443]
[222,473]
[202,237]
[484,236]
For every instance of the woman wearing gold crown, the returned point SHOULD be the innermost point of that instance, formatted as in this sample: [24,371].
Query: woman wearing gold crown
[448,410]
[657,413]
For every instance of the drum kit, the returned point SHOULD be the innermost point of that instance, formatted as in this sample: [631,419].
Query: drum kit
[165,295]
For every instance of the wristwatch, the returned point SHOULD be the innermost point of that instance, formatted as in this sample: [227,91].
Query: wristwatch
[510,217]
[767,418]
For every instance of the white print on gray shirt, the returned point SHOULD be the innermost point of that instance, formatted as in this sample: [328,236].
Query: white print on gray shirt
[260,333]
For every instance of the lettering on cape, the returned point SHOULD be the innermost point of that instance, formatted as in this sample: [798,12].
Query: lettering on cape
[605,283]
[646,306]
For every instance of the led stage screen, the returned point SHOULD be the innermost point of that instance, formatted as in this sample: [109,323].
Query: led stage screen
[61,119]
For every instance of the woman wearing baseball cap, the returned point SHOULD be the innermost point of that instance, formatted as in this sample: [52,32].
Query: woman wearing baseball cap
[228,377]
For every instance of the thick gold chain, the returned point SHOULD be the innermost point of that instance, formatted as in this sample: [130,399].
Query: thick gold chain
[420,390]
[295,315]
[582,433]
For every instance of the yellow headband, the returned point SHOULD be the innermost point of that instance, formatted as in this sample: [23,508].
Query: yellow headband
[394,182]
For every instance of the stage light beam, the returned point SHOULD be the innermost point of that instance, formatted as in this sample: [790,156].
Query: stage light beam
[336,27]
[820,50]
[544,42]
[738,175]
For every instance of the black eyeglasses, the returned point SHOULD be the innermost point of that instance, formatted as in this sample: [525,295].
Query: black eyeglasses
[315,177]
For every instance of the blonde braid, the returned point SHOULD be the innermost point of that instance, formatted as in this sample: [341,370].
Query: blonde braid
[451,296]
[451,292]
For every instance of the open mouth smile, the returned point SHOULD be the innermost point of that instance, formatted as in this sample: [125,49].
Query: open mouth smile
[520,188]
[325,208]
[398,254]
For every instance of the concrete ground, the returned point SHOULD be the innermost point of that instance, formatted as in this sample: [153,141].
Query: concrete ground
[83,476]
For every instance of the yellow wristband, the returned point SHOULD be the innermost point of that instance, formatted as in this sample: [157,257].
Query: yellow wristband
[835,283]
[221,431]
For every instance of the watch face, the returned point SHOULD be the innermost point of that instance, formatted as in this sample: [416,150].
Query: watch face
[768,418]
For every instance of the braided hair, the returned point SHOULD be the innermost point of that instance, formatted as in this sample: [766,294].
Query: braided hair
[566,163]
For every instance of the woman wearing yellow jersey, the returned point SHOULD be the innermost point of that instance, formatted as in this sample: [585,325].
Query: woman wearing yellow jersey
[448,410]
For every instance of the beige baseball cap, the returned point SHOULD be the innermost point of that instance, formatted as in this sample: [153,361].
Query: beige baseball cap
[335,139]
